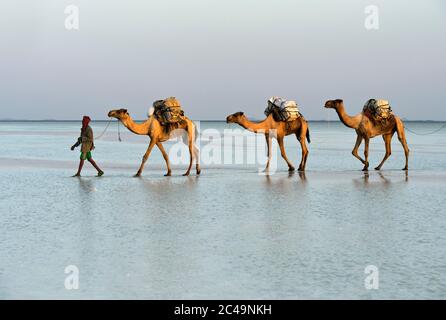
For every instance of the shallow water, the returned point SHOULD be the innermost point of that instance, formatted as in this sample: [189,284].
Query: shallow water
[230,233]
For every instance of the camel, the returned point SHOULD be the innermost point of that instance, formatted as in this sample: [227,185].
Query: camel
[366,128]
[159,133]
[278,129]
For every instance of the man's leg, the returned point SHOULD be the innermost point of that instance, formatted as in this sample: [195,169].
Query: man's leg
[81,164]
[93,163]
[100,172]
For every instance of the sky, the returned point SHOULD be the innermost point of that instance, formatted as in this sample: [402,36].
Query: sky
[219,57]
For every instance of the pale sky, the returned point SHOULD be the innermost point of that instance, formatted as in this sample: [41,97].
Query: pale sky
[220,56]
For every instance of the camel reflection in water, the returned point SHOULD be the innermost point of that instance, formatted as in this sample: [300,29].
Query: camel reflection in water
[385,180]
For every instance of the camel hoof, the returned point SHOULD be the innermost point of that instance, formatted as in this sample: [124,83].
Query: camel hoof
[291,169]
[198,172]
[405,169]
[168,174]
[186,174]
[137,175]
[366,167]
[378,168]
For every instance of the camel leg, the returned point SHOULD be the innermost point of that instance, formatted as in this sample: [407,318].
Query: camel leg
[356,148]
[166,158]
[366,154]
[197,159]
[196,152]
[283,153]
[191,151]
[268,144]
[388,142]
[402,139]
[145,157]
[303,145]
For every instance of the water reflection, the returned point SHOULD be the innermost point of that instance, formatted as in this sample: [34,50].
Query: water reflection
[86,190]
[87,207]
[283,182]
[385,179]
[163,185]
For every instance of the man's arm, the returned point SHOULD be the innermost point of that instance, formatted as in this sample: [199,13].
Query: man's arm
[77,144]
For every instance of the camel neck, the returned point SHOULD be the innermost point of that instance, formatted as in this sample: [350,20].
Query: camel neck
[351,122]
[137,128]
[253,126]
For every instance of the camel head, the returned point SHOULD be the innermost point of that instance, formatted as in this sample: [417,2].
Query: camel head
[120,114]
[334,104]
[235,118]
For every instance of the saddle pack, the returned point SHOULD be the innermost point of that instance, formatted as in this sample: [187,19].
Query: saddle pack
[282,110]
[168,111]
[379,109]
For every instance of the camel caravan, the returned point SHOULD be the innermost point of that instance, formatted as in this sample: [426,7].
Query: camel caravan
[283,118]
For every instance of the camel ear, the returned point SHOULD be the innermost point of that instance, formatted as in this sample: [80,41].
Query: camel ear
[340,100]
[124,110]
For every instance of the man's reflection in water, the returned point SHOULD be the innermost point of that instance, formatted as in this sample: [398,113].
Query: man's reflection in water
[86,190]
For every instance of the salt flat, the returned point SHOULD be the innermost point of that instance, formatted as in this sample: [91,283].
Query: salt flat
[230,233]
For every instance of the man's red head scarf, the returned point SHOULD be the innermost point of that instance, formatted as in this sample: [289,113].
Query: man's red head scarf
[85,121]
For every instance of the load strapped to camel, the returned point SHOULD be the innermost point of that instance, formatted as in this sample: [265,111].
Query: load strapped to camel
[379,109]
[168,111]
[282,110]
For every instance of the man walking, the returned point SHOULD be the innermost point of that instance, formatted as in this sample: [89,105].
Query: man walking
[87,142]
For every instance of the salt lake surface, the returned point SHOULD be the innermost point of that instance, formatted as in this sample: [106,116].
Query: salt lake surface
[230,233]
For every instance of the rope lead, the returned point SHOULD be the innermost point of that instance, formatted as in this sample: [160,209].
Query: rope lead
[105,129]
[119,132]
[424,134]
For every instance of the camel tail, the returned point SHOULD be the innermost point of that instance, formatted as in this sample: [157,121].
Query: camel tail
[308,135]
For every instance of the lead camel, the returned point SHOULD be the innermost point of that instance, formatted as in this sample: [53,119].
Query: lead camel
[158,133]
